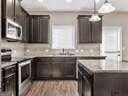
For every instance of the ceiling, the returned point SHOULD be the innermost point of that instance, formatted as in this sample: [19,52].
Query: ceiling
[75,5]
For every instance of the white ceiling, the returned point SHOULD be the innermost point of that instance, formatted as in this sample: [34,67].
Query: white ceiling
[75,5]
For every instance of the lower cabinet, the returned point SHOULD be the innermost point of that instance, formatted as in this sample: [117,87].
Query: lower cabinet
[43,70]
[54,68]
[111,84]
[9,80]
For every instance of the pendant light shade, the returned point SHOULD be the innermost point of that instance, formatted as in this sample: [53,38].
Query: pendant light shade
[40,0]
[95,17]
[106,8]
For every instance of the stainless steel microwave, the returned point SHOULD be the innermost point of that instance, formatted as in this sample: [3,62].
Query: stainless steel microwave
[13,31]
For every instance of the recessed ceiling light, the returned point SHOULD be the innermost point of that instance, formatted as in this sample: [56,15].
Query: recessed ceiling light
[68,1]
[40,0]
[97,1]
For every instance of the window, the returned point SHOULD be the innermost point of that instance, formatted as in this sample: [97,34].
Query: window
[111,42]
[63,36]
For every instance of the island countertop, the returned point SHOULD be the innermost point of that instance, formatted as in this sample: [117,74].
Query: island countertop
[101,66]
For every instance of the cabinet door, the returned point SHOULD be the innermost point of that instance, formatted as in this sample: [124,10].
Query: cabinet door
[17,11]
[96,28]
[121,85]
[10,9]
[43,70]
[57,71]
[103,85]
[24,22]
[69,69]
[33,29]
[43,29]
[64,70]
[39,29]
[25,27]
[84,30]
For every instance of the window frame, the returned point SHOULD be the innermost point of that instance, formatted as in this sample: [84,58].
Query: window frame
[75,37]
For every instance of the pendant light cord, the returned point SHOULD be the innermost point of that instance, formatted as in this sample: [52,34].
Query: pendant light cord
[94,7]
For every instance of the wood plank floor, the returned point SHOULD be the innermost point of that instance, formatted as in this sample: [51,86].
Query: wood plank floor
[54,88]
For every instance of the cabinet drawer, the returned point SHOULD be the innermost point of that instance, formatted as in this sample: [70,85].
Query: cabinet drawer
[9,70]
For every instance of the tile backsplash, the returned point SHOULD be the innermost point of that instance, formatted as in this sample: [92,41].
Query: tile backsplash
[86,49]
[21,49]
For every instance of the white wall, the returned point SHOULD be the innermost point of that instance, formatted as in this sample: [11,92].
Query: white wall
[119,19]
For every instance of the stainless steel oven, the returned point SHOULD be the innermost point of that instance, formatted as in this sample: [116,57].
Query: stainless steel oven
[13,31]
[24,77]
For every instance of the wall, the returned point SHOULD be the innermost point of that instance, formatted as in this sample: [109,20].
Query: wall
[121,20]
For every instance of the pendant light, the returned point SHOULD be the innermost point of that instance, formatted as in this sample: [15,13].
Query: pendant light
[40,1]
[68,1]
[106,7]
[95,17]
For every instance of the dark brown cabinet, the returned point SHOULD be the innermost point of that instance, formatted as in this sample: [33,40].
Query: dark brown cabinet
[54,68]
[18,12]
[24,22]
[9,80]
[89,32]
[39,29]
[44,69]
[8,7]
[84,30]
[111,84]
[12,9]
[96,32]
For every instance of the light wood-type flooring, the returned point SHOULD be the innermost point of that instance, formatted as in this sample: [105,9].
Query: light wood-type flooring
[54,88]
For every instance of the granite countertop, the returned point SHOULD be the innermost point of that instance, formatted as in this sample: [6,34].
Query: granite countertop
[99,66]
[5,64]
[14,60]
[56,55]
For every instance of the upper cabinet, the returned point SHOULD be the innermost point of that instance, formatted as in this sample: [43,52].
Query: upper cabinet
[18,12]
[39,29]
[8,7]
[12,9]
[24,22]
[89,32]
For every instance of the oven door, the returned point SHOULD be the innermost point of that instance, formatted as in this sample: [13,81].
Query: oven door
[24,77]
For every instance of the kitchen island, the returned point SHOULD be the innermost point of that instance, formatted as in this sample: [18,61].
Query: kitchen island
[102,78]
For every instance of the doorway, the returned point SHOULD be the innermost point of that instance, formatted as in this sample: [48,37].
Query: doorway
[112,42]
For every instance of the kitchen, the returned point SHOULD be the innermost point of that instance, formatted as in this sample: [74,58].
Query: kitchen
[58,49]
